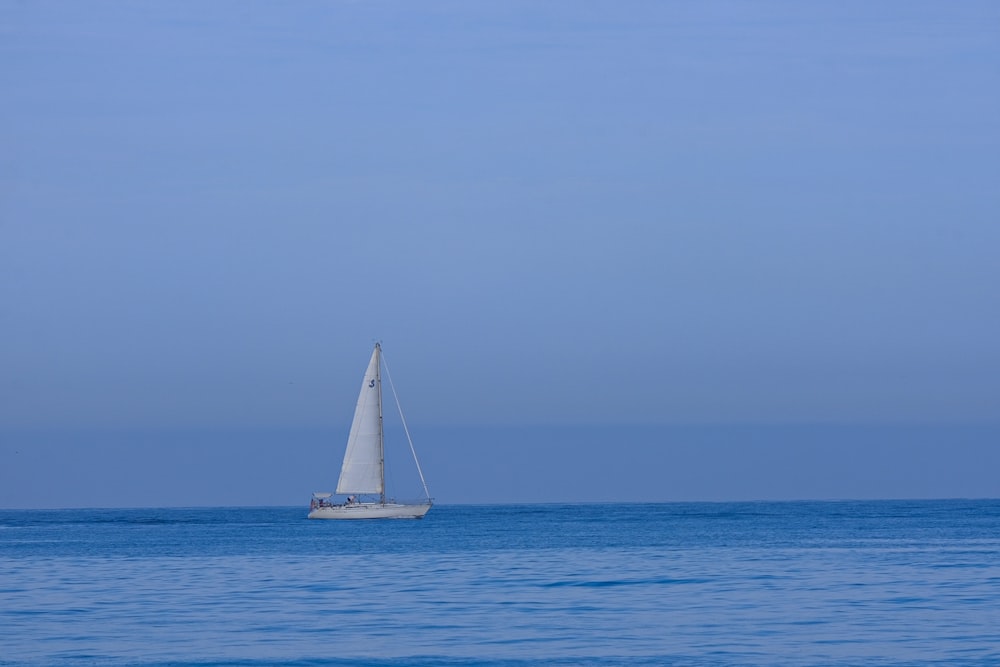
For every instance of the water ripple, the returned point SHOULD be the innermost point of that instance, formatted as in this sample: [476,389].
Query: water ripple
[765,584]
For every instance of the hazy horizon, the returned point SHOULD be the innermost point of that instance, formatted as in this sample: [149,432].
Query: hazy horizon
[503,465]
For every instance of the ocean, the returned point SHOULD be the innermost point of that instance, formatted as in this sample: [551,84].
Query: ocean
[785,583]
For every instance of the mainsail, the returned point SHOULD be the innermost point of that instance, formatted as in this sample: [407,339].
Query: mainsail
[362,469]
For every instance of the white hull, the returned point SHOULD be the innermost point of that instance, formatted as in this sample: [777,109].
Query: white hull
[371,511]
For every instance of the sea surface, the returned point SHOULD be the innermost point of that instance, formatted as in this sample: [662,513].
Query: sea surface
[792,583]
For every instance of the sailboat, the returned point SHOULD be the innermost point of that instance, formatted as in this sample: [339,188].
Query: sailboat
[362,475]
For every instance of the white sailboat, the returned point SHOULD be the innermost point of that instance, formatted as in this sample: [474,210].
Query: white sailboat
[362,475]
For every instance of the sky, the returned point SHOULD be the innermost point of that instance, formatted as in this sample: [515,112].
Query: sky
[634,251]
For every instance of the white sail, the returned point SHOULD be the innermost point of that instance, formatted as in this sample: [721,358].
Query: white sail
[362,469]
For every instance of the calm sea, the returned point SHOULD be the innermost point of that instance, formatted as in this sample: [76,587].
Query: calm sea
[858,583]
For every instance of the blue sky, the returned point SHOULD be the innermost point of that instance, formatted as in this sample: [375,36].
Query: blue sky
[764,234]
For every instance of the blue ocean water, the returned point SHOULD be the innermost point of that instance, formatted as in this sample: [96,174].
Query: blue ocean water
[795,583]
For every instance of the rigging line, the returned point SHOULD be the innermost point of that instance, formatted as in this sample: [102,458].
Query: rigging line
[406,430]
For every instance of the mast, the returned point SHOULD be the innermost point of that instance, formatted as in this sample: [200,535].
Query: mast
[381,442]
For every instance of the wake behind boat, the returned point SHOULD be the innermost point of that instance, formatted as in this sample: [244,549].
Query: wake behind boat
[362,475]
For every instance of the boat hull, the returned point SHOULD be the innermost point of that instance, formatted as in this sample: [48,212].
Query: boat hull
[371,511]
